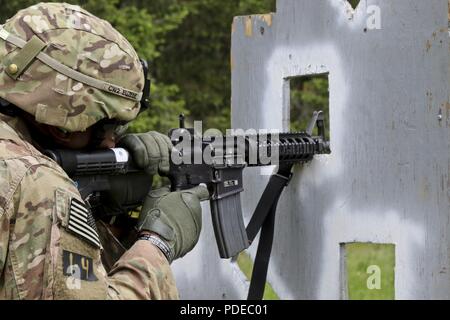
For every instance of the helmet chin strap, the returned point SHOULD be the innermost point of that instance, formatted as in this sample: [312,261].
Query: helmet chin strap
[145,100]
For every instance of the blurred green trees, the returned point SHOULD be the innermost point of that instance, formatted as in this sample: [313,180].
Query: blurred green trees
[188,44]
[308,94]
[197,57]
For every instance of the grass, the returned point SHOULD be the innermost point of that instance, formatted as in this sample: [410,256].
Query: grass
[360,259]
[245,263]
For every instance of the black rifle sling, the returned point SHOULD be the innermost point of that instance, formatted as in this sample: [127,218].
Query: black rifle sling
[264,219]
[259,274]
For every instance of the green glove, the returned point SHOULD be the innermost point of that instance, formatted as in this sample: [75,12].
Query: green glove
[150,151]
[175,216]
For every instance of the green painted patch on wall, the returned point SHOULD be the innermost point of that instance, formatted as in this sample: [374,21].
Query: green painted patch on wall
[368,271]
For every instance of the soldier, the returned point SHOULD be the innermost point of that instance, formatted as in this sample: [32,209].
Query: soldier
[68,79]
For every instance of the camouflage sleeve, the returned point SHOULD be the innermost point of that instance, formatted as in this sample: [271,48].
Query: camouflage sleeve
[4,239]
[142,273]
[54,249]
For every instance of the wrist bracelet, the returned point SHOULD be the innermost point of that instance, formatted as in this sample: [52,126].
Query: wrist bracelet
[160,244]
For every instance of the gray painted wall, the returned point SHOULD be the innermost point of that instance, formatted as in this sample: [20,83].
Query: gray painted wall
[388,177]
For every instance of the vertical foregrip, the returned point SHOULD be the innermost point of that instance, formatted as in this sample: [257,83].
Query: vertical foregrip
[228,224]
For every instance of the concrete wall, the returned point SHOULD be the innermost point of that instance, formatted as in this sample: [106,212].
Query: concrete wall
[388,177]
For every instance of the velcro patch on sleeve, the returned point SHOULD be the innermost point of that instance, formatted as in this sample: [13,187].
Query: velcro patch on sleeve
[82,223]
[78,266]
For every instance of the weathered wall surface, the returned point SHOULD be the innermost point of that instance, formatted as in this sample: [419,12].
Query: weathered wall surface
[388,177]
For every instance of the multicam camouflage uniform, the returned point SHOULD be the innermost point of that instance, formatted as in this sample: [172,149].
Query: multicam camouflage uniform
[35,194]
[42,256]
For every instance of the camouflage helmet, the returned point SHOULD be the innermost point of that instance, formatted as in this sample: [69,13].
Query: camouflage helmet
[68,68]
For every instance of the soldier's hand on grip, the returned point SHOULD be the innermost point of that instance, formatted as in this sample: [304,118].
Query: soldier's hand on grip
[175,216]
[150,151]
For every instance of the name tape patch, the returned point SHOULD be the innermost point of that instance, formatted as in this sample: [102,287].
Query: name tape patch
[123,92]
[82,223]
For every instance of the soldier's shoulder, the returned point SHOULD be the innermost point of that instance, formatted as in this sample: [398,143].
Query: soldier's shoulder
[19,160]
[30,176]
[12,145]
[20,153]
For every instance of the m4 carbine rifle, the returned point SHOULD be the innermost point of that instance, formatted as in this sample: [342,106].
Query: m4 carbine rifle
[113,186]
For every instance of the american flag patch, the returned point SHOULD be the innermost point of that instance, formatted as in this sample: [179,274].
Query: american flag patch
[82,223]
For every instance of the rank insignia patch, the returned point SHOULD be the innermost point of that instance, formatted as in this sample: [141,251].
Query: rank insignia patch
[82,223]
[77,266]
